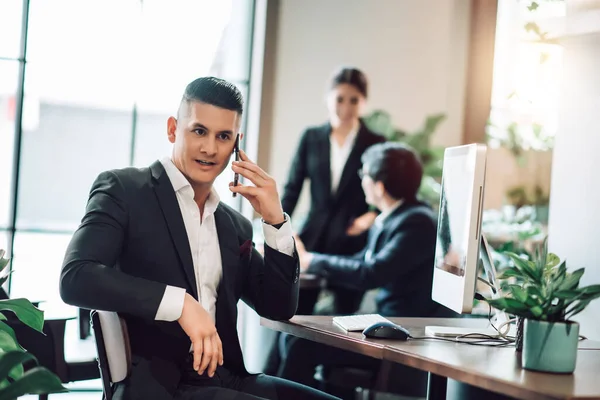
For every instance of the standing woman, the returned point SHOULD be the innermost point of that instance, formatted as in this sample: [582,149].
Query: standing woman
[330,156]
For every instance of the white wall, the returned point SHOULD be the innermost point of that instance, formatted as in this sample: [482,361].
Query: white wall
[574,226]
[414,53]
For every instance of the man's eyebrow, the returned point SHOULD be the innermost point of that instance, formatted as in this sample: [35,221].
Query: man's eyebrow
[197,125]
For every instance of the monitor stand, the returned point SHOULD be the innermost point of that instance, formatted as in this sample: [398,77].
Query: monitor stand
[498,318]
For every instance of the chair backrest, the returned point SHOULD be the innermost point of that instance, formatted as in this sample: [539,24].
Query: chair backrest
[114,352]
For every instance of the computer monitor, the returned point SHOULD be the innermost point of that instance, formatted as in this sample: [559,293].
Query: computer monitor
[461,245]
[459,227]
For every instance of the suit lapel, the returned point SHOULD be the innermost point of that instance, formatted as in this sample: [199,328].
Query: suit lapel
[353,163]
[324,157]
[172,213]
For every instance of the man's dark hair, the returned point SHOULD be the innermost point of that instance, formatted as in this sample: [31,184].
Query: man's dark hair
[216,92]
[397,166]
[351,76]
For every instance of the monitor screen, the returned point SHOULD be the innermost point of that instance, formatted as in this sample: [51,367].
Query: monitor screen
[454,214]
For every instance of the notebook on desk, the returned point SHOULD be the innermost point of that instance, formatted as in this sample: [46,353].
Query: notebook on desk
[353,323]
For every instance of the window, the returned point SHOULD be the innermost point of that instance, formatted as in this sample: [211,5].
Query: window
[9,76]
[11,16]
[167,63]
[527,71]
[38,255]
[102,77]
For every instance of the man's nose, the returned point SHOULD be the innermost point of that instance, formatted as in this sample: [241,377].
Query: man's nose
[209,146]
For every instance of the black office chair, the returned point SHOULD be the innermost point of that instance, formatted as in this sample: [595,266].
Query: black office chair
[114,352]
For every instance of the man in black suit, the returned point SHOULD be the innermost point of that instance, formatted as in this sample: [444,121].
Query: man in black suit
[158,247]
[398,258]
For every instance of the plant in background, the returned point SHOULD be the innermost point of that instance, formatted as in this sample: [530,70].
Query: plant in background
[14,380]
[431,156]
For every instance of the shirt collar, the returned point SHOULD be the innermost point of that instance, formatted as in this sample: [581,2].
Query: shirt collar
[383,216]
[349,139]
[181,184]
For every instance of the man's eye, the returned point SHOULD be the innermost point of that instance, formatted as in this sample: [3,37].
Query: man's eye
[199,131]
[223,136]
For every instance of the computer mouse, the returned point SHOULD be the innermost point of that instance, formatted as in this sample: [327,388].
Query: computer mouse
[386,330]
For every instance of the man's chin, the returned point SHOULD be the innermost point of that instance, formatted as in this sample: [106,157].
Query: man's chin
[204,177]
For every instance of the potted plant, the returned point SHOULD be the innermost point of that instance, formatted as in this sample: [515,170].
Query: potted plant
[547,297]
[14,380]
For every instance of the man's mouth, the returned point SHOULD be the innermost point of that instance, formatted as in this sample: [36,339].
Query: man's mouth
[207,163]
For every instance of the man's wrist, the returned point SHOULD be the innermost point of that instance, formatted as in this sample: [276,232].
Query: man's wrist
[275,222]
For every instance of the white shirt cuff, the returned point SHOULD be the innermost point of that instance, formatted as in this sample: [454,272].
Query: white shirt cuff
[171,305]
[280,239]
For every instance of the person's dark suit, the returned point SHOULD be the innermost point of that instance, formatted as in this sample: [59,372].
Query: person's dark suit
[330,215]
[132,242]
[399,260]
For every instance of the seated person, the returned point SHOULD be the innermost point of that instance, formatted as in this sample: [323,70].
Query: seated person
[398,258]
[157,246]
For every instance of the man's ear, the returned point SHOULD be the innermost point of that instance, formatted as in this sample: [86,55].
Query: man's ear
[171,129]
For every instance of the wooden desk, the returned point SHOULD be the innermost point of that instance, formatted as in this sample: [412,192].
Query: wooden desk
[492,368]
[320,329]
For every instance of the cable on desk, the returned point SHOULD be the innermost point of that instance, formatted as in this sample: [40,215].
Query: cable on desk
[486,341]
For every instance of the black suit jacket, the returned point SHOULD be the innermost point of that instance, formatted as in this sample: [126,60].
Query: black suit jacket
[330,215]
[399,259]
[132,242]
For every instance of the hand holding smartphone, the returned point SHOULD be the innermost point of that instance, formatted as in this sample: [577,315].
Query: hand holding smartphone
[236,152]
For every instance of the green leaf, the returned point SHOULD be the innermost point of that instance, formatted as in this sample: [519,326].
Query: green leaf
[537,311]
[8,341]
[534,291]
[526,267]
[3,261]
[37,380]
[552,260]
[533,6]
[14,360]
[518,293]
[590,290]
[572,280]
[7,329]
[567,294]
[510,272]
[25,311]
[579,307]
[509,305]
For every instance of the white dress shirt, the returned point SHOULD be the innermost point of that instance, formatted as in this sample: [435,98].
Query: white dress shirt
[338,157]
[204,245]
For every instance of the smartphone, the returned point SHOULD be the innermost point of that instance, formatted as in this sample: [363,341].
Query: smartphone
[236,152]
